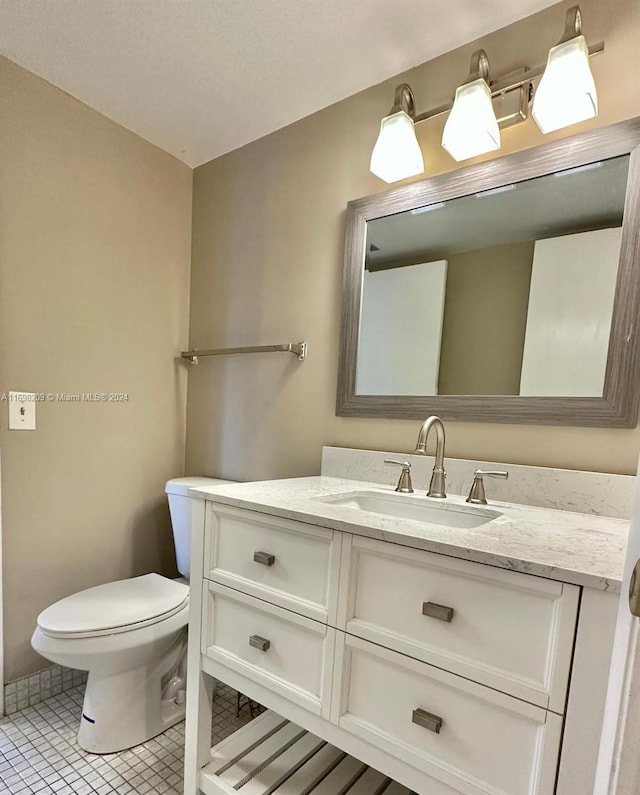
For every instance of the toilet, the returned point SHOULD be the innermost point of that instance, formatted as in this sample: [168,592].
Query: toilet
[131,636]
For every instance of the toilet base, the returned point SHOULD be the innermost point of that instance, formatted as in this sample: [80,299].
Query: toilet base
[128,708]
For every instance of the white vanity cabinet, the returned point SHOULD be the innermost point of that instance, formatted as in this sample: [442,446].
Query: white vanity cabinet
[445,675]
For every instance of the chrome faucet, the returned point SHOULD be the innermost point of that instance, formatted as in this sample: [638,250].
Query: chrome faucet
[436,486]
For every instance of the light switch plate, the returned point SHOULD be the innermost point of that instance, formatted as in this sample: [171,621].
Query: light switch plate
[22,411]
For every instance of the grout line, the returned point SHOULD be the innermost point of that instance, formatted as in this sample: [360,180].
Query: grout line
[39,754]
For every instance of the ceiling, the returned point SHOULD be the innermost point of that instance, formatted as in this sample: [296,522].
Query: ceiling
[199,78]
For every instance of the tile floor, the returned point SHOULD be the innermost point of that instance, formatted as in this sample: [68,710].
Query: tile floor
[40,686]
[39,753]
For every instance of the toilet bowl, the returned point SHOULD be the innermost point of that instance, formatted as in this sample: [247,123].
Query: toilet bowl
[131,636]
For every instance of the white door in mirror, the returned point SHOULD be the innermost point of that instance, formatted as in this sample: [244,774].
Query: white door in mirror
[22,411]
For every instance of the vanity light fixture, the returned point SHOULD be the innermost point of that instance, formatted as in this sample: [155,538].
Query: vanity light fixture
[566,94]
[578,169]
[472,126]
[495,191]
[427,208]
[397,153]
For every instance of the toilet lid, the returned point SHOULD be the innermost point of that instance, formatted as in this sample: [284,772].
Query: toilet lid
[115,606]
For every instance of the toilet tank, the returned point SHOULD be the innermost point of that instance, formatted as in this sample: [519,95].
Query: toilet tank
[180,508]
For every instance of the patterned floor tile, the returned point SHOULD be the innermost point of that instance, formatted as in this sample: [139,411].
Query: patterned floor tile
[39,753]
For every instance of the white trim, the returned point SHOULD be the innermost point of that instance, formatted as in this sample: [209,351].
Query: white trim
[618,772]
[587,692]
[197,746]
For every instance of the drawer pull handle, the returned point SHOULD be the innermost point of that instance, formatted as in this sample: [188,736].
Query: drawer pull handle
[441,612]
[428,721]
[264,558]
[259,643]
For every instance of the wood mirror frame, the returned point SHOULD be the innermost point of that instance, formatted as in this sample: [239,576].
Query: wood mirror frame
[619,404]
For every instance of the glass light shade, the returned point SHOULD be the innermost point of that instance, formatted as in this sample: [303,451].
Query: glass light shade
[397,154]
[472,127]
[566,93]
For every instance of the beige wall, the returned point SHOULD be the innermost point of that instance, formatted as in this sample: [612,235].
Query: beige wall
[267,267]
[485,318]
[94,276]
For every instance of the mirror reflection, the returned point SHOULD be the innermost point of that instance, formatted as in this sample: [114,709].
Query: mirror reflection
[508,291]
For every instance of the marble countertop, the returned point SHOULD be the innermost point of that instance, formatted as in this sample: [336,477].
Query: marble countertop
[560,545]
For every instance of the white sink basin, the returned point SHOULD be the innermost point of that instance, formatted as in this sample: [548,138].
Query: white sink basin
[408,506]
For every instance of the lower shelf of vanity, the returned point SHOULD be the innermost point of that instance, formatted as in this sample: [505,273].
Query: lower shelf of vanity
[272,756]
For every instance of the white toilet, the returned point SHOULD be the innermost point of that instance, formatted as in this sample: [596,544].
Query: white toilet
[131,636]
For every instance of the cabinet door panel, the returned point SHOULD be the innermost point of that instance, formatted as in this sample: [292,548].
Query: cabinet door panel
[290,564]
[507,630]
[475,740]
[288,653]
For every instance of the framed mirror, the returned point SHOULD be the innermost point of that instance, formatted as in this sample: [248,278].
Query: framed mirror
[502,292]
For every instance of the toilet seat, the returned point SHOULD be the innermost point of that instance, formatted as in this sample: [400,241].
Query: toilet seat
[115,607]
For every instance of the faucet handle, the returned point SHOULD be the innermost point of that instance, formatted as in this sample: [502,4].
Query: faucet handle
[476,494]
[404,483]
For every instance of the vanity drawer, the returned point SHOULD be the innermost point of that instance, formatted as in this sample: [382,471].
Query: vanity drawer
[287,653]
[510,631]
[290,564]
[471,738]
